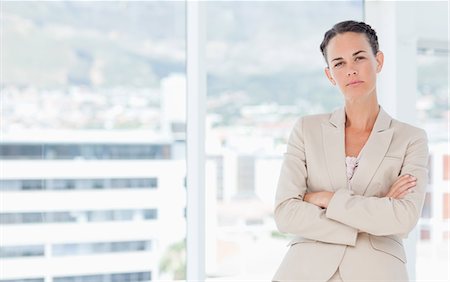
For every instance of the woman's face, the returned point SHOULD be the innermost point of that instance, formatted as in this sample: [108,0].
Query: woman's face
[352,65]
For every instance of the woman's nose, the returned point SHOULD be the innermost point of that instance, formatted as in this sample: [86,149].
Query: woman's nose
[351,71]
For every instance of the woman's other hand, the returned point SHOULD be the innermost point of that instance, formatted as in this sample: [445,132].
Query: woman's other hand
[320,199]
[401,186]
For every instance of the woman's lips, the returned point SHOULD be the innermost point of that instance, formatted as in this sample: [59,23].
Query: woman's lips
[355,83]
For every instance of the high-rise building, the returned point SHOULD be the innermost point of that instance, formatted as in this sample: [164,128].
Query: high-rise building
[89,206]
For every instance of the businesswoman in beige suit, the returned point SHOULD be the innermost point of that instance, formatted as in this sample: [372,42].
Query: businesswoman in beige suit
[353,181]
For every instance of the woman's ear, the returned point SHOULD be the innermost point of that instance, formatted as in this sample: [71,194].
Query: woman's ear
[380,60]
[328,74]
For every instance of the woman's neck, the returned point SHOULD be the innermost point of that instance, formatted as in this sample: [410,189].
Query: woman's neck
[361,117]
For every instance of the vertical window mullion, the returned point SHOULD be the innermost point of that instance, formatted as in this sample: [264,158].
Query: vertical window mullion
[195,138]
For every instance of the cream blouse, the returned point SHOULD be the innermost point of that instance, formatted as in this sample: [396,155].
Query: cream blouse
[352,163]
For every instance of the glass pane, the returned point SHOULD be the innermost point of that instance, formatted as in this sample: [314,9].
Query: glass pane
[433,114]
[265,69]
[92,148]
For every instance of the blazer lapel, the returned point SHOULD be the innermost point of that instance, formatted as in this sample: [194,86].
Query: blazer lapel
[334,148]
[373,152]
[333,133]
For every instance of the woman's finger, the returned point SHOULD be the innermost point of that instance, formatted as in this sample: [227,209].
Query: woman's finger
[396,188]
[404,193]
[397,184]
[404,188]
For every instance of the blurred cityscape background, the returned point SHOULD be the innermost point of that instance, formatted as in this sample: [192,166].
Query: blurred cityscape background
[93,131]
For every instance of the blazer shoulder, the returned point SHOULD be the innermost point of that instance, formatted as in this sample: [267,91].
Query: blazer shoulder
[406,129]
[309,124]
[315,119]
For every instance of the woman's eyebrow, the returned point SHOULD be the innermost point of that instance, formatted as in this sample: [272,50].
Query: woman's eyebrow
[354,54]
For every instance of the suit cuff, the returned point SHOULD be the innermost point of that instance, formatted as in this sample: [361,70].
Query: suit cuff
[336,206]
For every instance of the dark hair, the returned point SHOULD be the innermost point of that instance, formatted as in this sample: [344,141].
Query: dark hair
[350,26]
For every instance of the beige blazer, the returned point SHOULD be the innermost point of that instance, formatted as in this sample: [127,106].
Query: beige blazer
[361,231]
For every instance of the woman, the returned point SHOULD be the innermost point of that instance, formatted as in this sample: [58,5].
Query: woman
[353,181]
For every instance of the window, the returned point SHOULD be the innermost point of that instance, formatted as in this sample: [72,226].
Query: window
[264,69]
[24,280]
[22,251]
[78,216]
[79,184]
[98,248]
[116,277]
[89,131]
[93,117]
[432,109]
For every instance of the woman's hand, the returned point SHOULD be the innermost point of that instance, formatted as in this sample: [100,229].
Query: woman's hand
[401,186]
[320,199]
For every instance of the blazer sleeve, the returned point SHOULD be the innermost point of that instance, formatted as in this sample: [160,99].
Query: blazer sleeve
[292,214]
[387,216]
